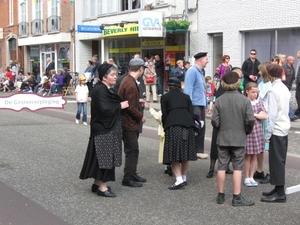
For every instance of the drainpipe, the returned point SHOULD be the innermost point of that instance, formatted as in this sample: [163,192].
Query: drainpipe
[186,53]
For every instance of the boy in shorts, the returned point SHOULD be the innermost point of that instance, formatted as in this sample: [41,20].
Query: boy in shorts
[234,118]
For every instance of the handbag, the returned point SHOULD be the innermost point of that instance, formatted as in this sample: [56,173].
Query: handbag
[150,79]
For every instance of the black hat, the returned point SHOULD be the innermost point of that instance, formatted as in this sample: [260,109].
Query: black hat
[200,55]
[102,69]
[274,70]
[173,81]
[231,78]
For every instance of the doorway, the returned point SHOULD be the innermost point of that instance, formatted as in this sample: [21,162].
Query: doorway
[152,52]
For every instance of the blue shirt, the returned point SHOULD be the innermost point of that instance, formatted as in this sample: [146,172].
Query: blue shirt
[194,86]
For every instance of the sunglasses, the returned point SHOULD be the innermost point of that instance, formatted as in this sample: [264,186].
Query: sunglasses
[227,58]
[252,53]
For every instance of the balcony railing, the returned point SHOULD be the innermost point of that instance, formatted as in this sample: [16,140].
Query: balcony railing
[23,29]
[53,24]
[37,27]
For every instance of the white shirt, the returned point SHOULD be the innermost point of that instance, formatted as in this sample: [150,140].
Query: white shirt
[82,91]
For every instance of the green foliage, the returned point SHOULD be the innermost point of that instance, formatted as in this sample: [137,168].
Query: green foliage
[176,23]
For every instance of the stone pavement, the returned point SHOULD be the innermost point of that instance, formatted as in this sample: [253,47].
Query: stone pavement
[41,157]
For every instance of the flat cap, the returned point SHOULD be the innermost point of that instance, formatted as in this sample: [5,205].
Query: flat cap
[174,81]
[231,78]
[137,62]
[200,55]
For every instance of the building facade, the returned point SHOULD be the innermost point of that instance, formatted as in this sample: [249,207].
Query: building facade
[46,30]
[110,29]
[9,51]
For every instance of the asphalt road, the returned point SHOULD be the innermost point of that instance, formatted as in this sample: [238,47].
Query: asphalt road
[40,161]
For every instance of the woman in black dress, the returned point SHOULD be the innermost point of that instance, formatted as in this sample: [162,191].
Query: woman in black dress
[178,123]
[104,151]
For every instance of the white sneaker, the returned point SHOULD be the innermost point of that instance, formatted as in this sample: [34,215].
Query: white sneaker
[253,182]
[247,182]
[76,121]
[84,123]
[202,155]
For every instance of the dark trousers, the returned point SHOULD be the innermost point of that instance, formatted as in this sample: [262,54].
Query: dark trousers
[277,159]
[199,139]
[297,112]
[131,150]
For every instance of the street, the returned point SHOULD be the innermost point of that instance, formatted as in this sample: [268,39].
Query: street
[42,154]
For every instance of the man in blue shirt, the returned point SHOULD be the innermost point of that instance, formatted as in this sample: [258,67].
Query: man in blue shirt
[194,86]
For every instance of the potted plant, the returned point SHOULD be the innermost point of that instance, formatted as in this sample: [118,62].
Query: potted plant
[182,25]
[170,25]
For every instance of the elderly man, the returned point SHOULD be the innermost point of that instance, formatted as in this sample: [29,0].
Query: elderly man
[194,86]
[50,66]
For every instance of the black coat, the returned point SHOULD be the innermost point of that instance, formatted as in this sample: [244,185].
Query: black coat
[105,109]
[177,109]
[250,68]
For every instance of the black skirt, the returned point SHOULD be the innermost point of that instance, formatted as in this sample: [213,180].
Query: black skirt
[179,144]
[90,168]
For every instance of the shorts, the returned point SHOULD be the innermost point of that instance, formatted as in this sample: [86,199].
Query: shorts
[227,153]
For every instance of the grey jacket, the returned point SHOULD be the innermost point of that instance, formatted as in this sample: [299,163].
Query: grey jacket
[234,118]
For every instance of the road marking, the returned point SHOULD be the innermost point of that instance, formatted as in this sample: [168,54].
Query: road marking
[71,101]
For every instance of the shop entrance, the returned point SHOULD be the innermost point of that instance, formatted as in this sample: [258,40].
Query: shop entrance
[150,53]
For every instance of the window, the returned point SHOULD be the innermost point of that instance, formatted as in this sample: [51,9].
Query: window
[54,9]
[38,16]
[11,12]
[23,12]
[12,43]
[94,8]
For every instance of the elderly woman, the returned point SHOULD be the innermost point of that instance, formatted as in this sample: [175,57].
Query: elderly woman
[104,151]
[150,81]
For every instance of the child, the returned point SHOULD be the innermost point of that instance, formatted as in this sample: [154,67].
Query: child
[157,116]
[255,140]
[234,119]
[82,93]
[210,90]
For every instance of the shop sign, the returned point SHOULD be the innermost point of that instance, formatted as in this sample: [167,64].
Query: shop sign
[152,43]
[175,48]
[117,31]
[89,29]
[150,24]
[124,50]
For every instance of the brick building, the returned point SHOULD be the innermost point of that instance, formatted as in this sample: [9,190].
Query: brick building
[43,29]
[9,51]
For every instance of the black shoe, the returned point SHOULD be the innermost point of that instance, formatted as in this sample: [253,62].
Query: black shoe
[239,200]
[131,183]
[294,118]
[266,194]
[175,187]
[137,178]
[258,175]
[266,179]
[107,193]
[229,171]
[274,198]
[95,187]
[169,171]
[210,174]
[221,198]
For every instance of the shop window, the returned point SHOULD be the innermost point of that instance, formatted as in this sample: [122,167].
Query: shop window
[63,58]
[266,46]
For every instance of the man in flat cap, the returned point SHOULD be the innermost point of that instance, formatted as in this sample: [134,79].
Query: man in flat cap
[194,86]
[131,120]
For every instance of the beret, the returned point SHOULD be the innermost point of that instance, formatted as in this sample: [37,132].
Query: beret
[274,70]
[200,55]
[231,78]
